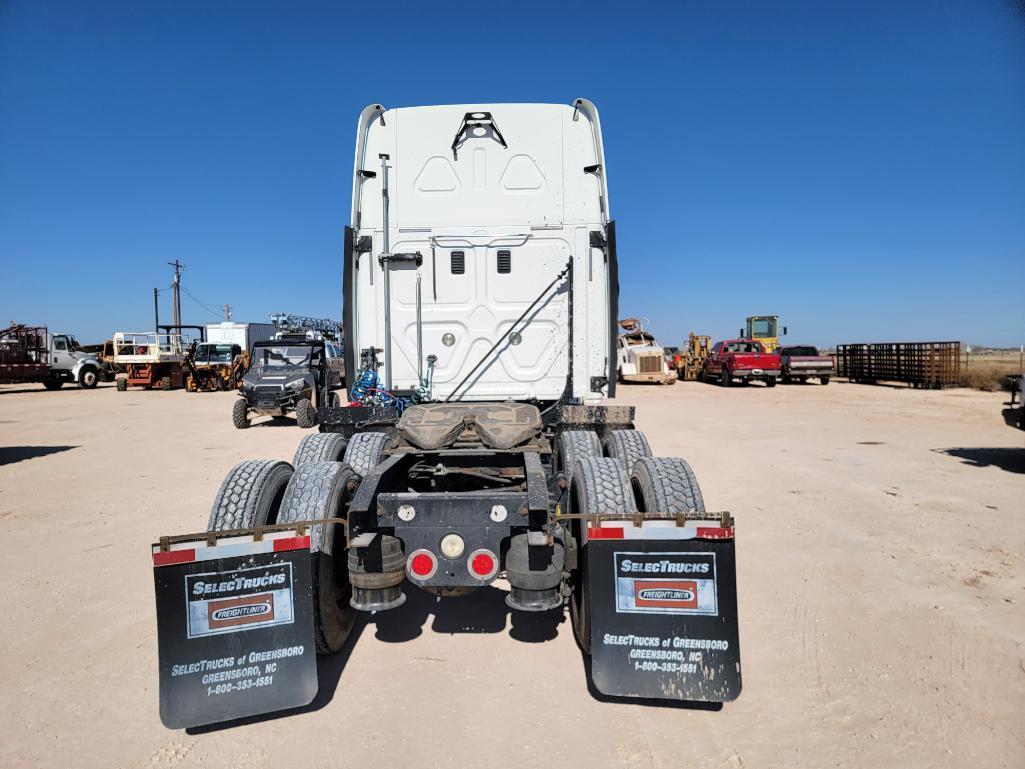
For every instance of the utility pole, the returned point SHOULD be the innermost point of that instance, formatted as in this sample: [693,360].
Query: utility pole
[176,298]
[227,312]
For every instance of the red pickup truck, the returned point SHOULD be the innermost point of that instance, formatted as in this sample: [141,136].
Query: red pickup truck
[743,359]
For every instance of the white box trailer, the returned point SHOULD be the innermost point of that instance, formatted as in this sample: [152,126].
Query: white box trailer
[245,335]
[480,305]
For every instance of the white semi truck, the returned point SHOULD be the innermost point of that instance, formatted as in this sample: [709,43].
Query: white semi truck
[480,297]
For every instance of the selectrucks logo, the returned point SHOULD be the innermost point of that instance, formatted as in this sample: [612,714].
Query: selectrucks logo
[666,583]
[236,600]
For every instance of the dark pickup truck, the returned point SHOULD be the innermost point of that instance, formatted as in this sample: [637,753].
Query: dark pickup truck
[798,363]
[743,359]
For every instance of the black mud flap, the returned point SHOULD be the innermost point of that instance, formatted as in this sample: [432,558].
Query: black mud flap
[234,628]
[664,612]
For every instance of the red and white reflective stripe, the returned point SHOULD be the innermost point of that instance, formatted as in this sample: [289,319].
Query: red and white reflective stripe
[229,547]
[657,529]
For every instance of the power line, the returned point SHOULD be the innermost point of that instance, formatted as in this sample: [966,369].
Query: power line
[209,308]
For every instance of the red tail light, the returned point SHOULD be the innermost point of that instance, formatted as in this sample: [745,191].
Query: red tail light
[422,564]
[482,564]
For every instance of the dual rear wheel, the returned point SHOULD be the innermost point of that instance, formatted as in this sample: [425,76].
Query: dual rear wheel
[626,480]
[318,485]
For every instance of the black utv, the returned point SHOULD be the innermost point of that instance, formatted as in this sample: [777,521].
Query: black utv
[289,374]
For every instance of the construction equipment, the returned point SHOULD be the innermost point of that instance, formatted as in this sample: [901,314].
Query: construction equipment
[151,359]
[33,354]
[691,358]
[478,442]
[223,359]
[640,357]
[288,323]
[926,365]
[211,366]
[764,329]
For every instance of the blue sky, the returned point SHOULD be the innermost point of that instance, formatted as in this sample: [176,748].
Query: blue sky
[857,168]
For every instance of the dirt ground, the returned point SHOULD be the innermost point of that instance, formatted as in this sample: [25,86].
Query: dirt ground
[880,535]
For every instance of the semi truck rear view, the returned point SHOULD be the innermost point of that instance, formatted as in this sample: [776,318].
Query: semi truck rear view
[480,284]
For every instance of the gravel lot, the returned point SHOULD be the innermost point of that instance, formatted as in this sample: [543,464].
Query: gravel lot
[880,534]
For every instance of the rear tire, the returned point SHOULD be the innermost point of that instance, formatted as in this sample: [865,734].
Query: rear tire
[824,380]
[240,414]
[627,446]
[250,495]
[364,451]
[121,385]
[53,384]
[599,485]
[575,445]
[165,383]
[323,490]
[305,414]
[724,377]
[666,485]
[770,381]
[322,447]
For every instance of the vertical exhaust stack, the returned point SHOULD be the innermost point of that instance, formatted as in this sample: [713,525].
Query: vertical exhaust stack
[385,251]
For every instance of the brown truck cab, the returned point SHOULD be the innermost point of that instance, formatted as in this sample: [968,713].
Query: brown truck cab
[799,363]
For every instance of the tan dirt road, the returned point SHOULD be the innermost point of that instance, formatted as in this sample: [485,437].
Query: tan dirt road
[880,535]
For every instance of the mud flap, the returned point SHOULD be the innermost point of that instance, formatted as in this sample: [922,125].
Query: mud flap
[664,611]
[234,628]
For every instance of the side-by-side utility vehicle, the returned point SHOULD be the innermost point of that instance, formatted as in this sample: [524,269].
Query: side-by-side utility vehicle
[478,446]
[292,373]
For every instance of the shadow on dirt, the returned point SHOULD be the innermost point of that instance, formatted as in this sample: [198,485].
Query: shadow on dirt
[11,454]
[33,389]
[1011,460]
[329,671]
[483,611]
[275,422]
[1014,417]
